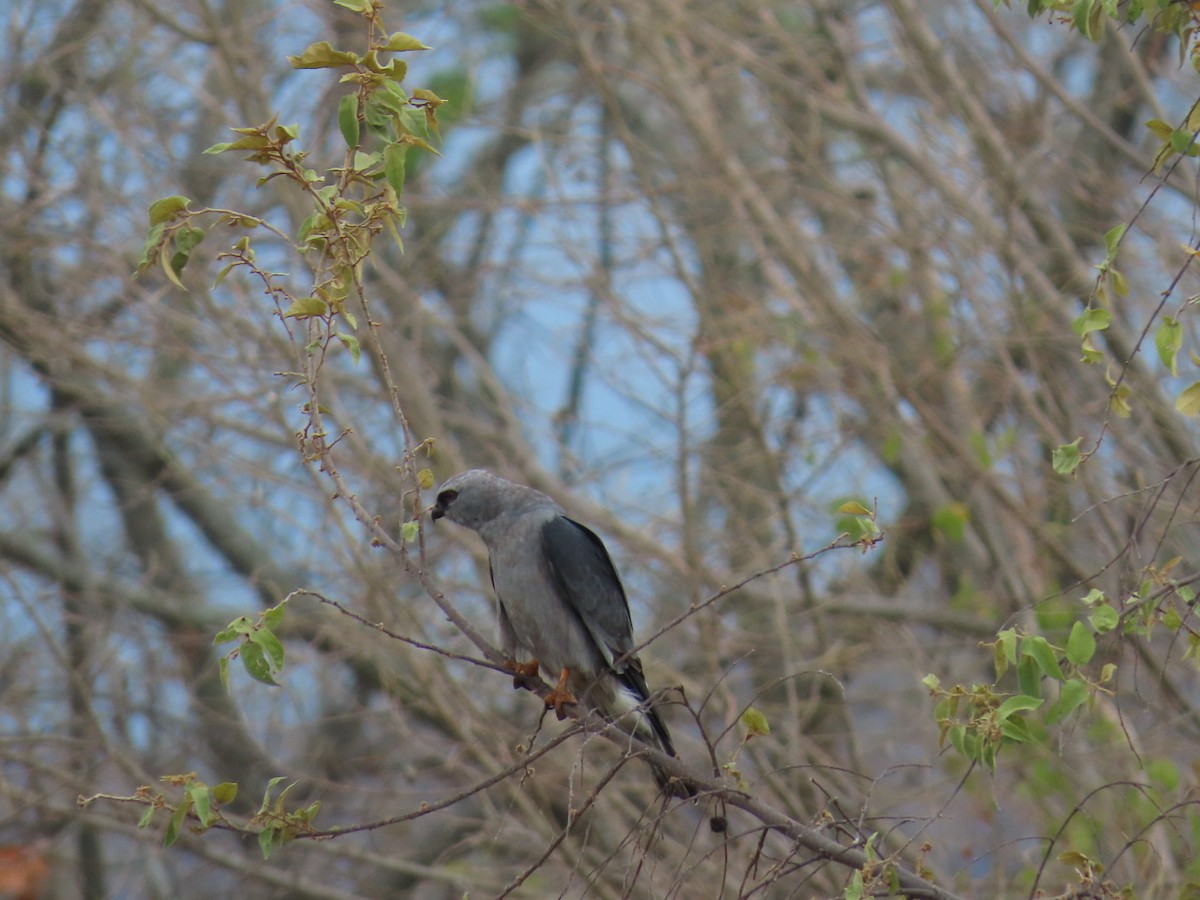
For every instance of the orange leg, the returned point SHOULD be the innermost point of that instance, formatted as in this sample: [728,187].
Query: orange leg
[524,674]
[560,696]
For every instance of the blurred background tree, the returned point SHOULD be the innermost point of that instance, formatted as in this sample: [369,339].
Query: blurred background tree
[703,273]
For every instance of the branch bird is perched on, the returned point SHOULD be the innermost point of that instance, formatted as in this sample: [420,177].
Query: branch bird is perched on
[561,604]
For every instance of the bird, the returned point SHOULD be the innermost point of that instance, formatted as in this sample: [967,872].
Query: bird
[561,606]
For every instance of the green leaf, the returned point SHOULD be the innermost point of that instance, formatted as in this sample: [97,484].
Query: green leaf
[305,307]
[755,722]
[216,148]
[167,208]
[1163,773]
[271,646]
[266,801]
[225,792]
[856,888]
[1112,237]
[198,794]
[266,840]
[401,42]
[1104,619]
[1119,284]
[1188,401]
[1161,130]
[853,508]
[1085,16]
[175,823]
[1074,693]
[1168,339]
[958,739]
[321,55]
[1093,319]
[1040,650]
[1181,141]
[358,6]
[348,119]
[932,682]
[273,616]
[223,668]
[144,821]
[351,343]
[1081,645]
[1029,677]
[255,663]
[169,267]
[1016,729]
[394,156]
[409,531]
[951,520]
[1004,651]
[186,239]
[239,626]
[1019,703]
[1066,458]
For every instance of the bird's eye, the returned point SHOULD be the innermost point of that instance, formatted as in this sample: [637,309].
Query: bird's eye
[447,497]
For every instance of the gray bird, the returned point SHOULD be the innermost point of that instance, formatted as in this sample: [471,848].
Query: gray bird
[562,608]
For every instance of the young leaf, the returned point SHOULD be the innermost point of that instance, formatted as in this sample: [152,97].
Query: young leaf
[273,616]
[755,722]
[1168,339]
[266,840]
[409,531]
[167,208]
[1094,319]
[401,42]
[271,646]
[1066,458]
[1029,677]
[1074,693]
[394,157]
[305,307]
[198,794]
[1112,237]
[1081,645]
[1040,650]
[321,55]
[175,823]
[225,792]
[186,239]
[1188,401]
[254,661]
[1104,619]
[1019,703]
[351,343]
[348,119]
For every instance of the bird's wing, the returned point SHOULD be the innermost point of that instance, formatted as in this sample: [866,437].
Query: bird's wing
[587,580]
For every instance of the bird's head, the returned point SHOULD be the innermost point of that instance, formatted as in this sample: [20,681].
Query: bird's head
[471,498]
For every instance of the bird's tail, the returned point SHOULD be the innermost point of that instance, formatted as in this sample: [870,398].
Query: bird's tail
[649,727]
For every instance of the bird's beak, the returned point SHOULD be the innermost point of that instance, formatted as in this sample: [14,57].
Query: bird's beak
[436,513]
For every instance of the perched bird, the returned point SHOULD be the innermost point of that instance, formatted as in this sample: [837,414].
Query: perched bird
[562,608]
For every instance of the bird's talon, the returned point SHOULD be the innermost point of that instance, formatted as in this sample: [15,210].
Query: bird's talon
[557,699]
[559,696]
[524,674]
